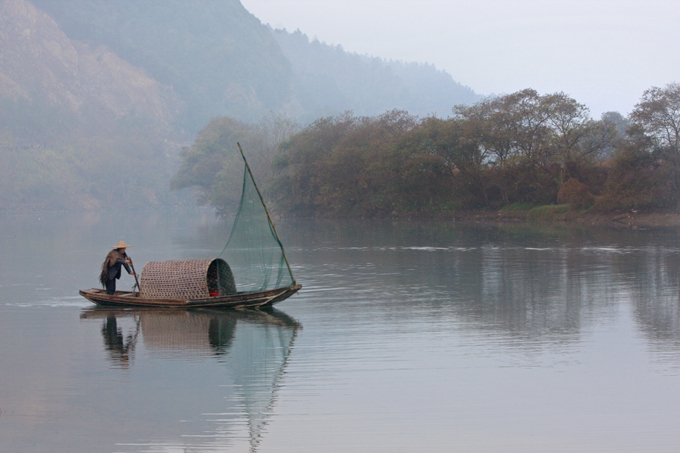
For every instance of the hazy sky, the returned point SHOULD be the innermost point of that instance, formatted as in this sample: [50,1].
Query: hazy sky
[603,53]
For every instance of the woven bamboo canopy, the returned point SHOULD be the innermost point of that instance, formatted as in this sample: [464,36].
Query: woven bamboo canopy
[186,279]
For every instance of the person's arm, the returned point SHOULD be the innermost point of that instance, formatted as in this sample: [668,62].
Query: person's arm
[124,262]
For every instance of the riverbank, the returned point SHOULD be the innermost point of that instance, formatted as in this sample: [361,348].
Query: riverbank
[551,214]
[633,220]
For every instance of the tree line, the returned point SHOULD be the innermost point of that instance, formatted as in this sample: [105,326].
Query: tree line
[519,149]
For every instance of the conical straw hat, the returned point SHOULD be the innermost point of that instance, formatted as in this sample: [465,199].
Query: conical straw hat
[121,245]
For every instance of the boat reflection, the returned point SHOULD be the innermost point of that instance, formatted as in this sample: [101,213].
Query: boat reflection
[254,345]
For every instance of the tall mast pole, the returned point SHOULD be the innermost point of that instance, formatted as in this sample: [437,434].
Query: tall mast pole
[271,222]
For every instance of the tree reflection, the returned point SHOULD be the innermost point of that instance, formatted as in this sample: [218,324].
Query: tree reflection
[654,290]
[547,283]
[554,285]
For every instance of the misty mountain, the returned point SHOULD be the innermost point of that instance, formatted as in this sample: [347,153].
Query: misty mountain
[79,126]
[222,60]
[43,72]
[97,97]
[217,56]
[328,80]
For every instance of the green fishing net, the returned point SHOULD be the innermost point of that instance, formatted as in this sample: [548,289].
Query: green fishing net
[254,251]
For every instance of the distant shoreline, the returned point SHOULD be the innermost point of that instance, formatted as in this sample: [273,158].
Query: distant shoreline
[615,219]
[629,219]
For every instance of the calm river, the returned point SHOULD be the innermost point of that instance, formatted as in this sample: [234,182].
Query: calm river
[406,337]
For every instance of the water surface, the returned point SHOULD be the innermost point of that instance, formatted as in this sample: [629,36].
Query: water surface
[407,337]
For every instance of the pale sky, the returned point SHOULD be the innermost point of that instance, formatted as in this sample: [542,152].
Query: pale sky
[603,53]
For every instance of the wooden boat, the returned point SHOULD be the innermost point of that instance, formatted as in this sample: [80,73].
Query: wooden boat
[209,283]
[239,300]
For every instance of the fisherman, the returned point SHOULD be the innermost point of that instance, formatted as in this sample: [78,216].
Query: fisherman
[111,267]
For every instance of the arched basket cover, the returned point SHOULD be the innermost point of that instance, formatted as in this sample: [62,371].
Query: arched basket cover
[186,279]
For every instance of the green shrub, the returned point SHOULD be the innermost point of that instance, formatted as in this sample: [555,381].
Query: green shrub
[518,206]
[548,212]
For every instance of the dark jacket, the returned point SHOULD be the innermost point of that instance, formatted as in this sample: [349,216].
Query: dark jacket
[111,266]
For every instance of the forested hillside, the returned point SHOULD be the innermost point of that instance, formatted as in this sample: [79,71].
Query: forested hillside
[516,151]
[221,60]
[327,80]
[98,97]
[217,56]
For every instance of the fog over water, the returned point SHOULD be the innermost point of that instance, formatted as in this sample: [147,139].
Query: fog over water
[406,336]
[603,53]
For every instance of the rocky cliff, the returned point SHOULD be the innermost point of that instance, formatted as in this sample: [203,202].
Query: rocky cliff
[38,60]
